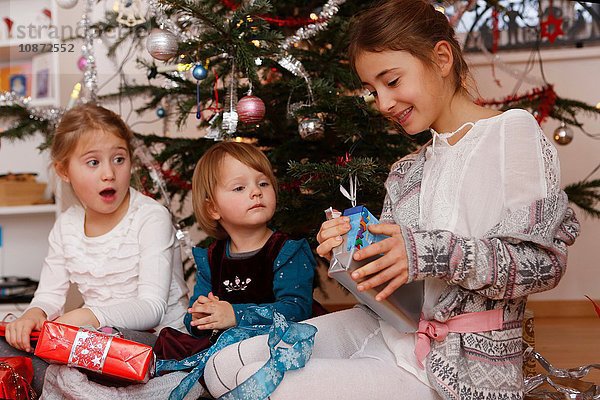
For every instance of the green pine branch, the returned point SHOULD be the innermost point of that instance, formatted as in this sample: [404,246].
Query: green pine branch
[24,125]
[586,195]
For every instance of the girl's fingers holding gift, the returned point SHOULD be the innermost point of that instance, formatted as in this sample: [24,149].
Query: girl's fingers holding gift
[391,287]
[385,229]
[332,228]
[369,269]
[324,249]
[385,275]
[373,249]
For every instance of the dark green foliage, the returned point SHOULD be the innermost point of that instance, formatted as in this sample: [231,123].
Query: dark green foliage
[586,194]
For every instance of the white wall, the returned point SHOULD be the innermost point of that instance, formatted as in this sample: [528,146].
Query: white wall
[574,73]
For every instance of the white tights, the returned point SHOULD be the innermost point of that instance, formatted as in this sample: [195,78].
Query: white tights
[346,364]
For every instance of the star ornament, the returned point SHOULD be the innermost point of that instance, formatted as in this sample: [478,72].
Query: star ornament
[552,27]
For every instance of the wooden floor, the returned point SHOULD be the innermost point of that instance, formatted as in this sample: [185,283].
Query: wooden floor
[569,342]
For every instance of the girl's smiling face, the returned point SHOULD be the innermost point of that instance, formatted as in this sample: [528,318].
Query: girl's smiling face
[406,90]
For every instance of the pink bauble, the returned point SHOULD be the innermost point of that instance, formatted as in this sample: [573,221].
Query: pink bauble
[82,63]
[250,109]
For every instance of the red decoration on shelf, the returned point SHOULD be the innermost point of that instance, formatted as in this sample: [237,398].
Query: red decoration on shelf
[47,13]
[545,95]
[9,24]
[551,27]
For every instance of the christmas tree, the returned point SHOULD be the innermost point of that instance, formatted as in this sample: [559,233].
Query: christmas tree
[274,74]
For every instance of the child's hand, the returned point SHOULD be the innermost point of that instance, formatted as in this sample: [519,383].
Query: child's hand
[18,331]
[199,301]
[392,266]
[329,235]
[212,313]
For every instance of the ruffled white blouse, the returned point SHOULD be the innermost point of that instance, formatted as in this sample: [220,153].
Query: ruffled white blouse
[130,277]
[501,164]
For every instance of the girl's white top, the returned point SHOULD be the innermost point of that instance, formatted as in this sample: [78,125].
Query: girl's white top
[501,164]
[130,277]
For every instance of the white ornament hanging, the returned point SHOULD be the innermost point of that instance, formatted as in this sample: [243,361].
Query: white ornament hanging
[66,3]
[162,44]
[129,12]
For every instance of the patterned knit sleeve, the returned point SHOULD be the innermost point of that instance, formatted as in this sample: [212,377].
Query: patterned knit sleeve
[523,254]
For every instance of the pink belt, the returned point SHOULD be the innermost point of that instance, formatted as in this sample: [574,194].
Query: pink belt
[481,321]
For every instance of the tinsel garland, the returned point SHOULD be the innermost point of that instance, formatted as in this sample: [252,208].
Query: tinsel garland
[48,114]
[330,9]
[561,383]
[90,73]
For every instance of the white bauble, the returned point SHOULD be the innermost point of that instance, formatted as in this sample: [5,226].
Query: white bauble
[66,3]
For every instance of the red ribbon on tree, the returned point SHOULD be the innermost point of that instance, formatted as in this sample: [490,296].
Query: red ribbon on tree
[545,95]
[288,22]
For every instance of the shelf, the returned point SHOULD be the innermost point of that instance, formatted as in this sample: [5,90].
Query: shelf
[33,209]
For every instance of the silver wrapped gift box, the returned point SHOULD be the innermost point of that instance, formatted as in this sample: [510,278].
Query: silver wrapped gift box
[402,309]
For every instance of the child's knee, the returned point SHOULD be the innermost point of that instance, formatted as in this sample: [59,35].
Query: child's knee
[220,370]
[247,371]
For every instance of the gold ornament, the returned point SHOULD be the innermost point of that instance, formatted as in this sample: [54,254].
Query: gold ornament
[563,135]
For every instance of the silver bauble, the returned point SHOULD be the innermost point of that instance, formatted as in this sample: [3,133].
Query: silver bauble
[162,44]
[66,3]
[311,127]
[563,134]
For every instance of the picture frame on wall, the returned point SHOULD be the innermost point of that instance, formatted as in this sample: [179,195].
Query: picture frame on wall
[42,79]
[18,84]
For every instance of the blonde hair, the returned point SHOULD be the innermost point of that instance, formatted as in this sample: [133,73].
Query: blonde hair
[414,26]
[206,178]
[79,121]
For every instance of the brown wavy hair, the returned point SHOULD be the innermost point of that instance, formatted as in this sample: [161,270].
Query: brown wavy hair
[414,26]
[206,179]
[78,122]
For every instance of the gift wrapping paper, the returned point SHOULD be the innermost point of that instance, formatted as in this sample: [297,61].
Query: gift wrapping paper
[403,308]
[16,374]
[95,351]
